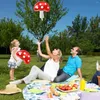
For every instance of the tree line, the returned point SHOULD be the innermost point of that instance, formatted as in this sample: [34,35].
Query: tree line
[83,32]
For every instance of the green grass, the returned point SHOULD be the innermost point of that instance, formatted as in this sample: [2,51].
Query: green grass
[88,69]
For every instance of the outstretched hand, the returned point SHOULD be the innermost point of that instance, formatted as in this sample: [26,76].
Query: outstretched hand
[38,43]
[46,38]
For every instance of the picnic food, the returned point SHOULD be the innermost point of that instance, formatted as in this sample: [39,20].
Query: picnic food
[54,91]
[67,87]
[50,95]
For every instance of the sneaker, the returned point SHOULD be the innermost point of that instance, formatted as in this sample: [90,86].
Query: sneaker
[16,82]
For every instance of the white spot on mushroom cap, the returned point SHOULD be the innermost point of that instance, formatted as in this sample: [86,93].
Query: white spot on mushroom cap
[24,53]
[40,4]
[28,56]
[47,7]
[45,3]
[42,7]
[23,56]
[36,7]
[20,53]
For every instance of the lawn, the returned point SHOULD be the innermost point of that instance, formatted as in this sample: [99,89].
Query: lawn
[88,69]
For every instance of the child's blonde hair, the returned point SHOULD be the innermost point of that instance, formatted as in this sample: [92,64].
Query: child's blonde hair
[12,44]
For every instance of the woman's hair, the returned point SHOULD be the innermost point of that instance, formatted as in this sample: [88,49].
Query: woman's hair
[60,54]
[12,44]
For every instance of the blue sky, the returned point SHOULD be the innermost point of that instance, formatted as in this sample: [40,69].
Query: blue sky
[86,8]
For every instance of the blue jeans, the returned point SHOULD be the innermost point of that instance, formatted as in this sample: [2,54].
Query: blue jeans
[62,76]
[94,78]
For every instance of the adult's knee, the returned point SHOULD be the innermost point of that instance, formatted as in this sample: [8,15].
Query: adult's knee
[57,80]
[34,67]
[98,73]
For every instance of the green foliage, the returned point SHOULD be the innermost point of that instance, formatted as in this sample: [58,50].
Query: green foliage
[94,24]
[86,46]
[9,30]
[60,40]
[85,34]
[26,43]
[79,25]
[82,33]
[31,18]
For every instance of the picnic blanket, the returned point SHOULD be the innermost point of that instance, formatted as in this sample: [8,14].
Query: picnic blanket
[38,90]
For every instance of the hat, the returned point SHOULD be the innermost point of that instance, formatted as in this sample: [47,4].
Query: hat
[10,89]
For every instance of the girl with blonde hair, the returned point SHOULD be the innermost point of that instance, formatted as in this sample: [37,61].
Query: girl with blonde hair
[14,60]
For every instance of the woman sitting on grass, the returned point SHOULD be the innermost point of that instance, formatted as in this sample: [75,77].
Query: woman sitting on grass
[51,67]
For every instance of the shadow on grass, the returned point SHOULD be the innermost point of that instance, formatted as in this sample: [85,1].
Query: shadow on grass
[42,61]
[85,76]
[4,56]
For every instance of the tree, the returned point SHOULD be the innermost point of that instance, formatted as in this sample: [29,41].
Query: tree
[85,43]
[31,18]
[94,30]
[61,41]
[26,43]
[94,24]
[79,25]
[9,30]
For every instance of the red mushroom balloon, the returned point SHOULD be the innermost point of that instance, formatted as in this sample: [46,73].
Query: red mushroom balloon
[42,6]
[24,55]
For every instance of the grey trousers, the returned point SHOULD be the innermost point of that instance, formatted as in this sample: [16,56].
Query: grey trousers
[36,73]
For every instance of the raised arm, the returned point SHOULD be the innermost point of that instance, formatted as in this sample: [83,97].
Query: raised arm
[48,48]
[40,52]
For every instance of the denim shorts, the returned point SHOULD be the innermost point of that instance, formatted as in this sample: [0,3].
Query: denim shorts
[12,64]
